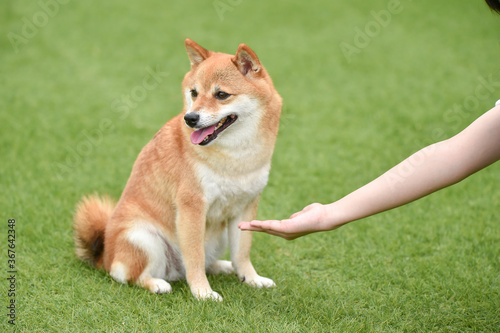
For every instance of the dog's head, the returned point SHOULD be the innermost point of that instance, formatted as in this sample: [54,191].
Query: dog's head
[226,96]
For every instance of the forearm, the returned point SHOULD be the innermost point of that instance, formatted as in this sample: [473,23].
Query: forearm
[419,175]
[430,169]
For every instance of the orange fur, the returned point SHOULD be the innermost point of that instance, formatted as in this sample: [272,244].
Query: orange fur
[90,221]
[172,219]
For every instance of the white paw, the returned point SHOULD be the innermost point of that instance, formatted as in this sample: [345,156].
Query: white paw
[159,286]
[119,272]
[208,295]
[260,282]
[221,267]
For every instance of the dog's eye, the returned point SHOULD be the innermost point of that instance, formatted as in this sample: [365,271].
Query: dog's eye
[194,93]
[222,95]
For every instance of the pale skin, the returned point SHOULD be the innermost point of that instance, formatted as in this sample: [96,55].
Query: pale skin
[432,168]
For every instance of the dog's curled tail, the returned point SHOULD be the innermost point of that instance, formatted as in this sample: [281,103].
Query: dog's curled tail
[92,214]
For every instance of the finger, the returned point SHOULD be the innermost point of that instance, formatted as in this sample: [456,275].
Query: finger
[243,224]
[248,226]
[273,227]
[305,209]
[284,235]
[282,228]
[257,225]
[265,225]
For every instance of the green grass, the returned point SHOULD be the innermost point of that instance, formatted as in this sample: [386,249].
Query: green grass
[430,266]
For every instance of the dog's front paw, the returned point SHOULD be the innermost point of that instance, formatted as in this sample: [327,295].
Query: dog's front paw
[209,295]
[260,282]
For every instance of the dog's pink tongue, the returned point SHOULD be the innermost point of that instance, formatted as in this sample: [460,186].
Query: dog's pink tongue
[198,136]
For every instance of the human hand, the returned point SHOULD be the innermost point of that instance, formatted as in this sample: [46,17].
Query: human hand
[311,219]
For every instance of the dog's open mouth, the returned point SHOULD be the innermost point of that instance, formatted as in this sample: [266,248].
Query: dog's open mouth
[208,134]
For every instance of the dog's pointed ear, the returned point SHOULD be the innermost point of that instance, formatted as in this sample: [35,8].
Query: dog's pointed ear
[195,52]
[246,60]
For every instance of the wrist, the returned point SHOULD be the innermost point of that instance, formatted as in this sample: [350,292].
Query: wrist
[333,217]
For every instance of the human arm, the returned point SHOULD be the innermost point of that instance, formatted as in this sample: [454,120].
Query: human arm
[428,170]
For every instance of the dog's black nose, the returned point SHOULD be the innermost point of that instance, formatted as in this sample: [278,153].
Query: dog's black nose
[191,119]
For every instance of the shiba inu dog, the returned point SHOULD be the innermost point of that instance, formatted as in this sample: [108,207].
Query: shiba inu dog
[200,175]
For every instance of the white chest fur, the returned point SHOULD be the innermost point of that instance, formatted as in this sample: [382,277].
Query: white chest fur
[227,195]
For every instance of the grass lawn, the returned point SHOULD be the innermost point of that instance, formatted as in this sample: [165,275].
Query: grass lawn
[364,83]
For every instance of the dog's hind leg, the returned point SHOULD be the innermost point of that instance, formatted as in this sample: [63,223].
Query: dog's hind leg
[157,286]
[131,264]
[221,267]
[151,244]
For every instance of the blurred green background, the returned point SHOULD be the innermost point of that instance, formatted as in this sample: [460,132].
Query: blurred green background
[364,84]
